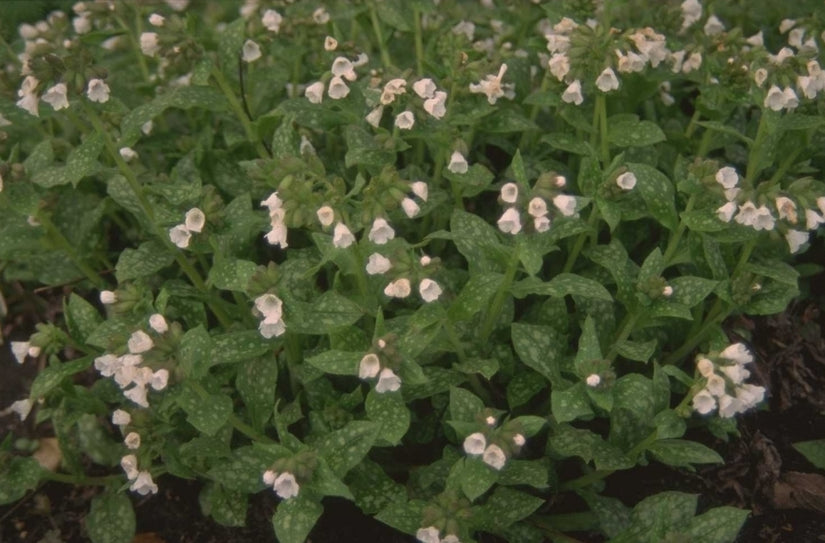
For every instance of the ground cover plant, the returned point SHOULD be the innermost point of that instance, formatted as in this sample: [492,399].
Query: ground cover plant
[449,261]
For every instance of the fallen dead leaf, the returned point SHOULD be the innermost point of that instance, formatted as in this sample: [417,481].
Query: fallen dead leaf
[48,454]
[796,490]
[148,537]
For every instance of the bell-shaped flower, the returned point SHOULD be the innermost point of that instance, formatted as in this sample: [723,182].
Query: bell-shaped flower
[607,80]
[510,221]
[378,264]
[286,486]
[338,89]
[143,484]
[429,290]
[704,402]
[509,193]
[381,232]
[140,342]
[437,105]
[388,381]
[458,164]
[796,240]
[626,181]
[342,236]
[474,444]
[400,288]
[494,457]
[272,20]
[573,93]
[315,92]
[369,366]
[566,204]
[56,97]
[121,417]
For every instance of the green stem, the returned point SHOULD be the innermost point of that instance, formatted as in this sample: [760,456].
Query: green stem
[237,108]
[419,42]
[692,124]
[500,296]
[379,36]
[601,106]
[580,241]
[755,150]
[676,236]
[80,479]
[236,422]
[625,330]
[715,316]
[135,44]
[64,244]
[704,143]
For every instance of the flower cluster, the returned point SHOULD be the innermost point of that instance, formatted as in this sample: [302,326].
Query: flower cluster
[270,307]
[277,213]
[372,365]
[727,373]
[141,480]
[181,234]
[431,534]
[495,451]
[546,189]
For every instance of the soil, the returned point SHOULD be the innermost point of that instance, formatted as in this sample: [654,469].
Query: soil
[762,471]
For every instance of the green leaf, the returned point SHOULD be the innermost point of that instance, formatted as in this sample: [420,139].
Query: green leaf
[540,348]
[195,352]
[373,489]
[486,367]
[475,477]
[17,476]
[669,424]
[52,376]
[507,506]
[230,43]
[523,386]
[473,182]
[40,158]
[533,473]
[656,516]
[464,405]
[814,451]
[571,403]
[568,142]
[640,351]
[295,518]
[326,483]
[390,412]
[327,313]
[528,425]
[476,241]
[589,349]
[517,169]
[256,382]
[207,413]
[148,259]
[81,317]
[718,525]
[337,362]
[243,471]
[613,515]
[475,295]
[345,448]
[227,507]
[111,519]
[658,193]
[634,133]
[231,274]
[404,516]
[237,347]
[82,161]
[682,453]
[563,284]
[690,290]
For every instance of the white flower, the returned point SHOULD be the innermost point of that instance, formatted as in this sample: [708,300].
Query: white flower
[729,406]
[56,97]
[158,323]
[127,153]
[194,220]
[405,120]
[269,477]
[337,88]
[107,364]
[369,366]
[757,40]
[98,91]
[607,80]
[251,51]
[715,385]
[129,464]
[750,395]
[494,457]
[270,327]
[705,367]
[373,118]
[475,443]
[727,177]
[559,65]
[631,62]
[450,538]
[425,261]
[315,92]
[713,26]
[138,395]
[388,381]
[342,67]
[519,440]
[537,207]
[320,16]
[381,232]
[786,209]
[420,189]
[429,290]
[149,45]
[667,291]
[796,240]
[509,193]
[146,127]
[277,235]
[156,19]
[132,440]
[775,99]
[410,208]
[330,44]
[177,5]
[22,408]
[458,164]
[437,105]
[691,12]
[738,353]
[491,421]
[510,221]
[400,288]
[424,88]
[491,86]
[121,417]
[378,264]
[784,54]
[786,24]
[20,349]
[342,237]
[703,402]
[541,224]
[159,379]
[143,484]
[269,306]
[791,99]
[725,213]
[566,204]
[813,219]
[325,215]
[272,20]
[758,218]
[573,93]
[626,181]
[593,380]
[29,102]
[736,373]
[693,62]
[140,342]
[428,535]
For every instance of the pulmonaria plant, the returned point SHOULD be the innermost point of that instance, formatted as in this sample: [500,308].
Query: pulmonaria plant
[452,262]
